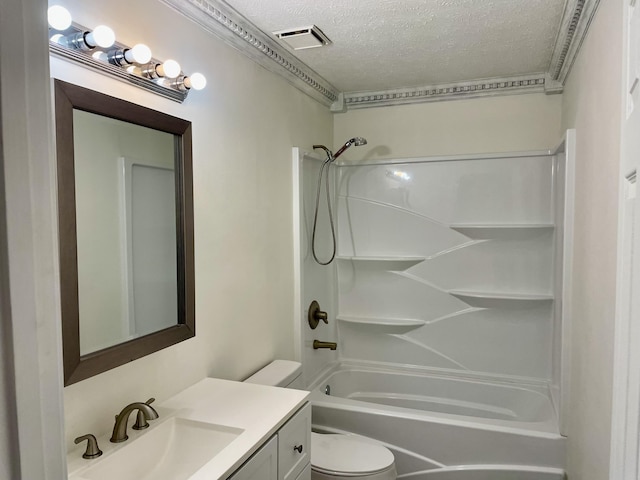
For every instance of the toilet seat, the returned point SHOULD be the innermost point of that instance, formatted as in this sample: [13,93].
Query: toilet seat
[345,456]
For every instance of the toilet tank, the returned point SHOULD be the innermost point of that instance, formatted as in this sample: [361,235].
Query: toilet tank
[279,373]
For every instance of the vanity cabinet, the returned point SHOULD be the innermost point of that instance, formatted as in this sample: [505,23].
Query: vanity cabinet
[294,444]
[285,456]
[263,465]
[214,430]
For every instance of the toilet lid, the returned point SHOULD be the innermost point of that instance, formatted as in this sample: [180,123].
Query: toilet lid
[344,454]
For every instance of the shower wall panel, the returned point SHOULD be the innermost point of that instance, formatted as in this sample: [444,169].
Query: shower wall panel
[317,282]
[448,264]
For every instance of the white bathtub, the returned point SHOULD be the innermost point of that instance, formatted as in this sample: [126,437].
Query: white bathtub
[444,427]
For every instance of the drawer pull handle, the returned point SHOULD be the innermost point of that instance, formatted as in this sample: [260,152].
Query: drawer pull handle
[298,448]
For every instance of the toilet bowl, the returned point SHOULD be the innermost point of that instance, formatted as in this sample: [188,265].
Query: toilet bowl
[333,456]
[341,456]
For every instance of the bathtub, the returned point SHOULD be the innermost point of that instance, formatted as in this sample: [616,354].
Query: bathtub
[444,427]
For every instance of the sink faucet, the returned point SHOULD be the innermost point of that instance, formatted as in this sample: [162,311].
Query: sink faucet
[120,427]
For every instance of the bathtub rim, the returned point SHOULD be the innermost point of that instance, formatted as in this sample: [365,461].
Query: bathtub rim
[546,429]
[531,383]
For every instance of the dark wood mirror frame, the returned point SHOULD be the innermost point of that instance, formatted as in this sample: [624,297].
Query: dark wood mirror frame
[67,98]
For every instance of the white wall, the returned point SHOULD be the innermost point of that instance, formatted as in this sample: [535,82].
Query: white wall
[8,453]
[29,244]
[244,125]
[592,105]
[480,125]
[7,393]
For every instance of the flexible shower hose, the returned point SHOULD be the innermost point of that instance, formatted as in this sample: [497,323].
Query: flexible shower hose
[326,163]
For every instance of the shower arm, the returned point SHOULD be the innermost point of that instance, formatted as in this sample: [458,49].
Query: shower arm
[330,156]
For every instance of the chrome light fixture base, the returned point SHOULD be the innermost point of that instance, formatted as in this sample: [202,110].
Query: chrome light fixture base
[71,47]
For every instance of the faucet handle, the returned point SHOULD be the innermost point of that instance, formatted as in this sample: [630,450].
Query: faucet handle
[92,451]
[315,315]
[141,420]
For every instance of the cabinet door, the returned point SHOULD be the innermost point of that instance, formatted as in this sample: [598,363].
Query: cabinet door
[294,444]
[263,465]
[306,473]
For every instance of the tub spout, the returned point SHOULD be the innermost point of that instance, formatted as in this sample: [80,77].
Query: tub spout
[318,344]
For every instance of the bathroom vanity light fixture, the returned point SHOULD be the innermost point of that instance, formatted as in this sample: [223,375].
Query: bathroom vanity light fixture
[99,50]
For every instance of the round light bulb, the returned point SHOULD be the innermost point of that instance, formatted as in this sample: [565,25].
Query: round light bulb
[100,55]
[134,70]
[58,17]
[169,69]
[102,36]
[140,53]
[57,38]
[197,81]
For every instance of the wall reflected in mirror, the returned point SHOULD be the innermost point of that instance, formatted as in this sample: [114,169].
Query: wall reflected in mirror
[126,230]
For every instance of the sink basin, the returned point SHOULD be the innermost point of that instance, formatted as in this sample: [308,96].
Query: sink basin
[173,450]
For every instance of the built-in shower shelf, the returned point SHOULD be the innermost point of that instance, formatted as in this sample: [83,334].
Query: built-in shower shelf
[497,299]
[382,324]
[500,230]
[387,262]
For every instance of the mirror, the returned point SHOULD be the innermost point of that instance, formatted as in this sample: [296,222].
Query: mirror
[125,210]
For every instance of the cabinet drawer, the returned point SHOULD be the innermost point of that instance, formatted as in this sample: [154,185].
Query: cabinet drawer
[294,444]
[263,465]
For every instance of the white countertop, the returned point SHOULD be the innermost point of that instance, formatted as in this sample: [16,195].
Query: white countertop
[259,410]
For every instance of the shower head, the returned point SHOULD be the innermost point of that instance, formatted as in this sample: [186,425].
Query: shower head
[357,141]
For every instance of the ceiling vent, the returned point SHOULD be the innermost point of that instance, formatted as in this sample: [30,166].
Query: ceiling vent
[304,37]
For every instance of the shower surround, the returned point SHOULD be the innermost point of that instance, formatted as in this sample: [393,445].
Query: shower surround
[449,270]
[448,265]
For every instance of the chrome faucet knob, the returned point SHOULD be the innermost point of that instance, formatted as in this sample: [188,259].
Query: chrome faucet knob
[92,451]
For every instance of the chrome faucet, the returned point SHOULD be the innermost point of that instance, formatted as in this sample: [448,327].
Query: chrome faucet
[120,427]
[318,344]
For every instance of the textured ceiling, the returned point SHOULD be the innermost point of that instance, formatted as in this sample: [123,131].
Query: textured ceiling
[386,44]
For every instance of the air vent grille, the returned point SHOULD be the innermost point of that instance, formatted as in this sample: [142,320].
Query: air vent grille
[303,37]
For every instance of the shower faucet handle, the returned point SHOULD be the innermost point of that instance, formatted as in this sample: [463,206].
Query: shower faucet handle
[315,315]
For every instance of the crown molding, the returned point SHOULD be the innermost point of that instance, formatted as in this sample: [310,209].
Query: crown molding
[575,22]
[220,19]
[533,83]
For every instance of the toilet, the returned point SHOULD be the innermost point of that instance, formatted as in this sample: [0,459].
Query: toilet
[333,456]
